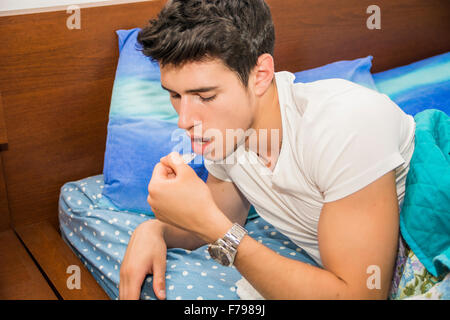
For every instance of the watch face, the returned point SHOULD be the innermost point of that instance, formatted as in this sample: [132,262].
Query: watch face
[219,254]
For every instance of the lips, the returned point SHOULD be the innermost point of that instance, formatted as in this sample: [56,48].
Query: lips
[199,144]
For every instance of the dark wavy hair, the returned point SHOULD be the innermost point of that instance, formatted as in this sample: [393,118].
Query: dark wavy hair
[234,31]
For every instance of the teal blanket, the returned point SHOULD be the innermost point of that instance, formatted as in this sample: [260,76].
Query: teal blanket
[425,214]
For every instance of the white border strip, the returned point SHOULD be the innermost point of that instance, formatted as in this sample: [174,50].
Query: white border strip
[64,7]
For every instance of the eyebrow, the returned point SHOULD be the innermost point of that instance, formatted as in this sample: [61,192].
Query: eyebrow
[196,90]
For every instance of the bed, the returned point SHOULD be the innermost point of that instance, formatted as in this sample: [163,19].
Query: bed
[66,77]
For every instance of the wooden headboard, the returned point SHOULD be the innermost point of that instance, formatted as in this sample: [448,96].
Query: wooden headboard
[56,83]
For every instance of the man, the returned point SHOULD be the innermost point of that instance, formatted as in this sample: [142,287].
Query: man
[332,181]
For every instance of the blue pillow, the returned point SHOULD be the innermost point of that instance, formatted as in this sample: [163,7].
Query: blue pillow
[142,124]
[357,71]
[421,85]
[142,128]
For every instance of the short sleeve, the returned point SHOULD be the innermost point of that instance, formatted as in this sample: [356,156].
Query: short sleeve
[217,170]
[354,140]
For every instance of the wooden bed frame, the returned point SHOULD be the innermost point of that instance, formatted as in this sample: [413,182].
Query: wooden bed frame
[55,90]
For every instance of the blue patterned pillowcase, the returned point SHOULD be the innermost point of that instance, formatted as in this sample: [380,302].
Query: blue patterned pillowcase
[421,85]
[357,71]
[143,128]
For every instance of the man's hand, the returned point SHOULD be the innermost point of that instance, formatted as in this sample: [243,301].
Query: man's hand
[146,254]
[180,198]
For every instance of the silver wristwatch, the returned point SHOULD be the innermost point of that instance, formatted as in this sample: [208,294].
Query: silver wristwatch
[224,250]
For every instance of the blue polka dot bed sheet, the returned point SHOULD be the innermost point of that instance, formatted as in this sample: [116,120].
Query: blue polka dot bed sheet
[98,233]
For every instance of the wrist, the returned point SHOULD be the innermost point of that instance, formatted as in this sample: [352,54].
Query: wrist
[217,226]
[156,227]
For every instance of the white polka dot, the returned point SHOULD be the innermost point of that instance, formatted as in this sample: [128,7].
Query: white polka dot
[68,198]
[81,228]
[171,287]
[109,245]
[203,274]
[98,258]
[101,267]
[99,195]
[223,274]
[102,233]
[178,298]
[79,202]
[285,242]
[200,298]
[298,250]
[219,296]
[173,266]
[222,280]
[89,213]
[127,222]
[149,280]
[189,286]
[292,253]
[98,181]
[117,233]
[273,233]
[210,286]
[168,276]
[214,267]
[185,273]
[232,289]
[266,227]
[93,232]
[97,222]
[198,264]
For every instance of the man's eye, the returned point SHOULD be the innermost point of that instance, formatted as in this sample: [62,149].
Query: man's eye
[175,96]
[208,99]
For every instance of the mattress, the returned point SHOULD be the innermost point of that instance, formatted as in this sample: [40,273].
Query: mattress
[98,233]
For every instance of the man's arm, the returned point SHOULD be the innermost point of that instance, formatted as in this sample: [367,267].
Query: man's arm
[229,200]
[355,233]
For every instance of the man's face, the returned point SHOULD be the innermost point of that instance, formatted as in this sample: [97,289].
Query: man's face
[212,104]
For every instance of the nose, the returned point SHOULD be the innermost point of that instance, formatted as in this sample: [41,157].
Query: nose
[185,116]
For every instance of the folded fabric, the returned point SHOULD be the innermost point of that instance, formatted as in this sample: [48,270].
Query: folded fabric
[421,85]
[425,214]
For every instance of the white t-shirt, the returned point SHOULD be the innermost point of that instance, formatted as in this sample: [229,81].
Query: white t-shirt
[337,137]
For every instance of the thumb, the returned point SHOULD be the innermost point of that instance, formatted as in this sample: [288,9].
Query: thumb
[159,279]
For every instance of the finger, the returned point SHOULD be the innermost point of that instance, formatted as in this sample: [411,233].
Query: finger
[131,287]
[159,171]
[159,278]
[175,161]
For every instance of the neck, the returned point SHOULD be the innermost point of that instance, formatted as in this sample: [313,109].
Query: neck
[267,123]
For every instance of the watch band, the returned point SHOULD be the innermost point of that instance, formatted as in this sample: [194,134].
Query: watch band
[235,235]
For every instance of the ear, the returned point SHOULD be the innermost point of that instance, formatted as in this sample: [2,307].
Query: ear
[262,74]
